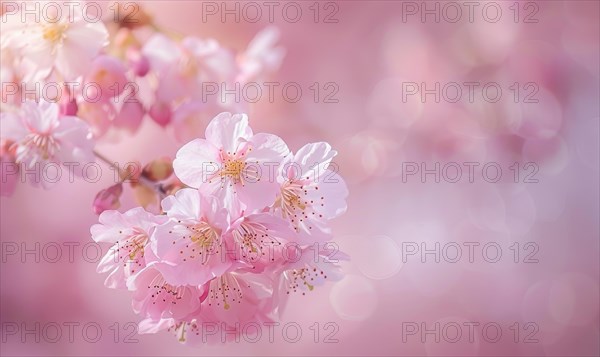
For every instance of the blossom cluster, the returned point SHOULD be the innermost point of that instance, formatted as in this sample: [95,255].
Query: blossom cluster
[239,222]
[234,245]
[100,79]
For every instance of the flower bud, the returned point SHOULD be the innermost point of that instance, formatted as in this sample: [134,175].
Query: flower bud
[108,199]
[68,106]
[158,170]
[10,169]
[140,65]
[161,113]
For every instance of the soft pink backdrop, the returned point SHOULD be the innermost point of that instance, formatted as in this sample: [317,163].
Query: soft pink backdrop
[369,53]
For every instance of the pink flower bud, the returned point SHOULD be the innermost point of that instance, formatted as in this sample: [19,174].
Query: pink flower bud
[138,62]
[161,113]
[10,169]
[108,198]
[68,106]
[108,78]
[131,115]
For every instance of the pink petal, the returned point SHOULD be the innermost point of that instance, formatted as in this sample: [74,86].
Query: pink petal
[226,131]
[196,162]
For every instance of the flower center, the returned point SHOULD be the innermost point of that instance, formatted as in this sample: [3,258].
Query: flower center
[233,168]
[164,292]
[55,32]
[204,242]
[131,250]
[224,290]
[302,279]
[44,144]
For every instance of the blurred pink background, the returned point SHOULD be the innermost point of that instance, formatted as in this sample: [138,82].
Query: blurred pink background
[369,53]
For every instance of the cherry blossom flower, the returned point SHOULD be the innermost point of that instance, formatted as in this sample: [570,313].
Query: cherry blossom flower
[65,44]
[261,56]
[156,299]
[228,302]
[310,193]
[129,233]
[181,68]
[105,79]
[305,269]
[41,135]
[232,163]
[238,298]
[258,239]
[190,245]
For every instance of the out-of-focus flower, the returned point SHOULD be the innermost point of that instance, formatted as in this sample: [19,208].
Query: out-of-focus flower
[99,115]
[130,115]
[106,78]
[310,193]
[139,64]
[261,56]
[129,233]
[160,112]
[41,135]
[108,199]
[65,44]
[190,119]
[232,163]
[181,69]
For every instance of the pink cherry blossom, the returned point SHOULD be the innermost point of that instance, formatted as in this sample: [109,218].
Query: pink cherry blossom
[304,270]
[156,299]
[64,44]
[130,115]
[190,118]
[228,303]
[190,245]
[139,63]
[261,56]
[180,68]
[105,79]
[258,239]
[238,298]
[129,233]
[311,193]
[232,163]
[41,135]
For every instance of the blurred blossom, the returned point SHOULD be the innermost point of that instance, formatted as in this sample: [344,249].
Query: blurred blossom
[261,56]
[41,135]
[58,42]
[108,199]
[106,78]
